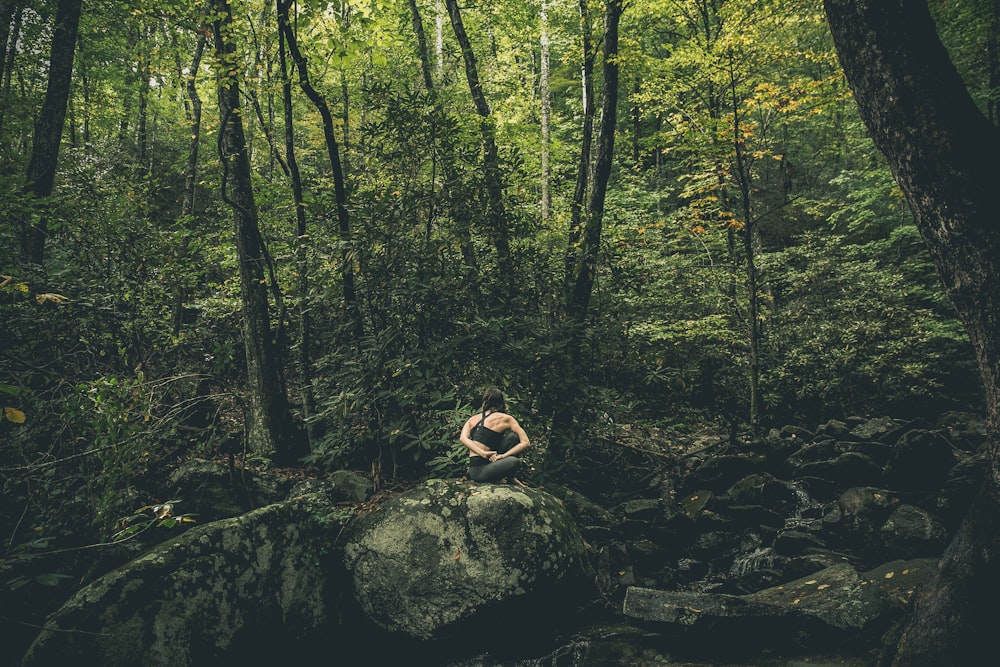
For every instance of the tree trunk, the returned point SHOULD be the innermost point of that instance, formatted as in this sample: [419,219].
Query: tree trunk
[269,427]
[545,96]
[49,126]
[491,158]
[749,250]
[578,206]
[333,153]
[943,153]
[460,213]
[302,239]
[190,181]
[584,271]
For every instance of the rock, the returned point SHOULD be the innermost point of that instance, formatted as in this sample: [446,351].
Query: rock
[847,469]
[960,488]
[919,462]
[830,606]
[215,491]
[239,585]
[338,486]
[719,473]
[885,430]
[433,560]
[911,531]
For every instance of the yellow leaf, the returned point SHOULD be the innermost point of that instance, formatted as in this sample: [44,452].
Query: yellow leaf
[54,298]
[458,555]
[822,586]
[810,582]
[890,575]
[14,415]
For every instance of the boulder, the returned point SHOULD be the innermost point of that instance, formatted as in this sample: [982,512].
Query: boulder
[214,490]
[231,588]
[445,554]
[912,531]
[338,486]
[832,606]
[920,462]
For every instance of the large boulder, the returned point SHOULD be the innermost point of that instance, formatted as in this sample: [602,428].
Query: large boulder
[433,560]
[214,595]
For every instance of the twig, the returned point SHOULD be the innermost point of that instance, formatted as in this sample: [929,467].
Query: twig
[650,452]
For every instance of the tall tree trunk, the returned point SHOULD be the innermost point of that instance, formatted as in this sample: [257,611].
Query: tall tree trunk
[190,180]
[269,428]
[456,201]
[545,95]
[333,153]
[491,158]
[49,126]
[422,53]
[301,237]
[584,271]
[749,233]
[579,204]
[943,153]
[10,13]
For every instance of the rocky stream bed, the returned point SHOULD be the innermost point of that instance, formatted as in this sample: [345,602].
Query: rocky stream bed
[800,548]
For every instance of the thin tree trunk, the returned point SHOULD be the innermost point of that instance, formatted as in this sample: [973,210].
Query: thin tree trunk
[269,428]
[190,179]
[579,204]
[333,153]
[749,234]
[418,31]
[943,153]
[49,126]
[459,212]
[584,272]
[301,237]
[545,95]
[10,14]
[491,157]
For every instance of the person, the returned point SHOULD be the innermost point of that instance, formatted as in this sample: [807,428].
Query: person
[494,439]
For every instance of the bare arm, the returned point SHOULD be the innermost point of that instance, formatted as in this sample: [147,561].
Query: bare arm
[523,442]
[475,447]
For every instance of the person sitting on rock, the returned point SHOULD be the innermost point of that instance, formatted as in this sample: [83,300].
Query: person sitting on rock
[493,438]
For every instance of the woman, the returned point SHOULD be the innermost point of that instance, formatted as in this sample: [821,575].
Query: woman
[493,438]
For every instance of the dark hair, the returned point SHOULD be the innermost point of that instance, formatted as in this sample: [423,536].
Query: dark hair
[493,400]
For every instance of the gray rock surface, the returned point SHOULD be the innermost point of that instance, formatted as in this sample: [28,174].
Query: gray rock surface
[195,599]
[450,552]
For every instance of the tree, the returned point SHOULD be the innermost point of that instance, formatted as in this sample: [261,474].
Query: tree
[269,430]
[49,126]
[491,159]
[942,151]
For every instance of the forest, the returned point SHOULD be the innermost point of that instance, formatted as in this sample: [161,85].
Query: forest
[297,237]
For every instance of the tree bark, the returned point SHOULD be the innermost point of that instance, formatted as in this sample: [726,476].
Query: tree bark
[301,236]
[584,271]
[49,126]
[578,206]
[269,427]
[190,179]
[352,306]
[943,153]
[491,158]
[545,95]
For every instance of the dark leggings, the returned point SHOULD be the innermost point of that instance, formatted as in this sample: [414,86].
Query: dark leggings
[481,470]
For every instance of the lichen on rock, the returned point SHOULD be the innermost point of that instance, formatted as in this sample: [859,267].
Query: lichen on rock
[448,551]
